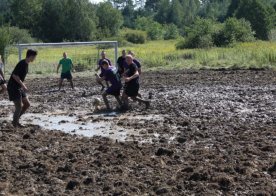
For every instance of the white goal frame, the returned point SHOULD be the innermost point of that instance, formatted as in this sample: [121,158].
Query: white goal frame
[21,47]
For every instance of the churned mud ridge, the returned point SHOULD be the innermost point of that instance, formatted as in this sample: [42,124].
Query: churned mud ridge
[217,136]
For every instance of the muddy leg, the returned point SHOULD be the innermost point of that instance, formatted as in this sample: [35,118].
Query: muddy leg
[106,101]
[17,112]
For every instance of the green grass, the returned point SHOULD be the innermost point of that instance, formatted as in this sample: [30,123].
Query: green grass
[160,55]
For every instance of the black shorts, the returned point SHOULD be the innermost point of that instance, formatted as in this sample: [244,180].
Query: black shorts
[16,94]
[131,90]
[66,75]
[113,91]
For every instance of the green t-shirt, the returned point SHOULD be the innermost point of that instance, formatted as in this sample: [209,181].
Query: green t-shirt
[66,65]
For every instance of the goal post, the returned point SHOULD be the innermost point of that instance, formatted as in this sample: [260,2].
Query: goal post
[81,51]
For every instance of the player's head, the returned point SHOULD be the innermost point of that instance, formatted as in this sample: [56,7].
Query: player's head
[129,59]
[131,53]
[123,53]
[64,55]
[105,64]
[103,54]
[31,55]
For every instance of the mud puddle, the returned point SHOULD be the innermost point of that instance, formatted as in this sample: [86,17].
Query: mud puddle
[90,125]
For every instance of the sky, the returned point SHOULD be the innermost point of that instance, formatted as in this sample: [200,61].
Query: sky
[96,1]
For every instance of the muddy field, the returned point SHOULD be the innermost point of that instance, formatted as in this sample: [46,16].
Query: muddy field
[206,133]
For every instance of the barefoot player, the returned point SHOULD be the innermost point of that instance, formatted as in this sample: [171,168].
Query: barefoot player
[17,89]
[111,75]
[103,57]
[2,77]
[66,68]
[131,88]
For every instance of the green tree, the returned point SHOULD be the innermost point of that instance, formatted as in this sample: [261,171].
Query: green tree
[261,16]
[4,40]
[110,20]
[25,14]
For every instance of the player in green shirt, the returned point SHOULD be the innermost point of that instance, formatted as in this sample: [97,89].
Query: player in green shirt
[66,68]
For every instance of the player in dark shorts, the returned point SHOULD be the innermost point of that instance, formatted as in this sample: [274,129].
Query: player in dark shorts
[131,88]
[17,89]
[2,77]
[66,69]
[103,57]
[111,75]
[121,62]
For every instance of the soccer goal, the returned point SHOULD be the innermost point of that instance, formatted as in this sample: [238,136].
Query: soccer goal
[85,55]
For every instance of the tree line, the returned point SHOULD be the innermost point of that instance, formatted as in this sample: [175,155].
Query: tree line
[80,20]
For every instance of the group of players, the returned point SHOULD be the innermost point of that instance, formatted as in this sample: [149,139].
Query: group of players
[128,71]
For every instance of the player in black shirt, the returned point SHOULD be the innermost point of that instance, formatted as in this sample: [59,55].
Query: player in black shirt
[131,88]
[17,89]
[121,62]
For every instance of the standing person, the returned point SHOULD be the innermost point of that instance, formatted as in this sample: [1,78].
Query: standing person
[131,88]
[17,89]
[2,77]
[99,67]
[136,61]
[111,75]
[66,68]
[121,63]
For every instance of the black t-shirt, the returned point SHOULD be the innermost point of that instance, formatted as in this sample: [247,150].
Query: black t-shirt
[131,70]
[21,71]
[121,64]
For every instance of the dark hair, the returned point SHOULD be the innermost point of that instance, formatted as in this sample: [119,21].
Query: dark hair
[31,52]
[105,62]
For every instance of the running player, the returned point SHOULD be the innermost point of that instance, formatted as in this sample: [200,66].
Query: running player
[17,89]
[131,88]
[103,57]
[66,68]
[2,77]
[111,75]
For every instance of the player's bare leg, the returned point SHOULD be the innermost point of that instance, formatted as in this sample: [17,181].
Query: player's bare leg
[3,89]
[25,105]
[106,101]
[72,84]
[60,84]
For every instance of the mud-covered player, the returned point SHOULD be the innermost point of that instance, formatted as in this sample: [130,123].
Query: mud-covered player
[67,67]
[131,88]
[3,86]
[111,75]
[100,67]
[17,89]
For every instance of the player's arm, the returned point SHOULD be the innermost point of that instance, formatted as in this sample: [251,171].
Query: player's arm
[136,75]
[100,79]
[58,67]
[98,68]
[18,80]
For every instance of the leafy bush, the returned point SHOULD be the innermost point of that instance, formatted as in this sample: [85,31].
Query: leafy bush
[19,35]
[234,30]
[171,32]
[136,37]
[199,35]
[205,33]
[154,29]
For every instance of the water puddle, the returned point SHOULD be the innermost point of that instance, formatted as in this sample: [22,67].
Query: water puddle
[6,103]
[90,125]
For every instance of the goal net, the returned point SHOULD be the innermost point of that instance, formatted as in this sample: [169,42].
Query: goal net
[85,55]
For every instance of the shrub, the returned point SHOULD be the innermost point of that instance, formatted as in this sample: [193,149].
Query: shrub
[199,35]
[19,35]
[154,29]
[4,41]
[136,37]
[171,32]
